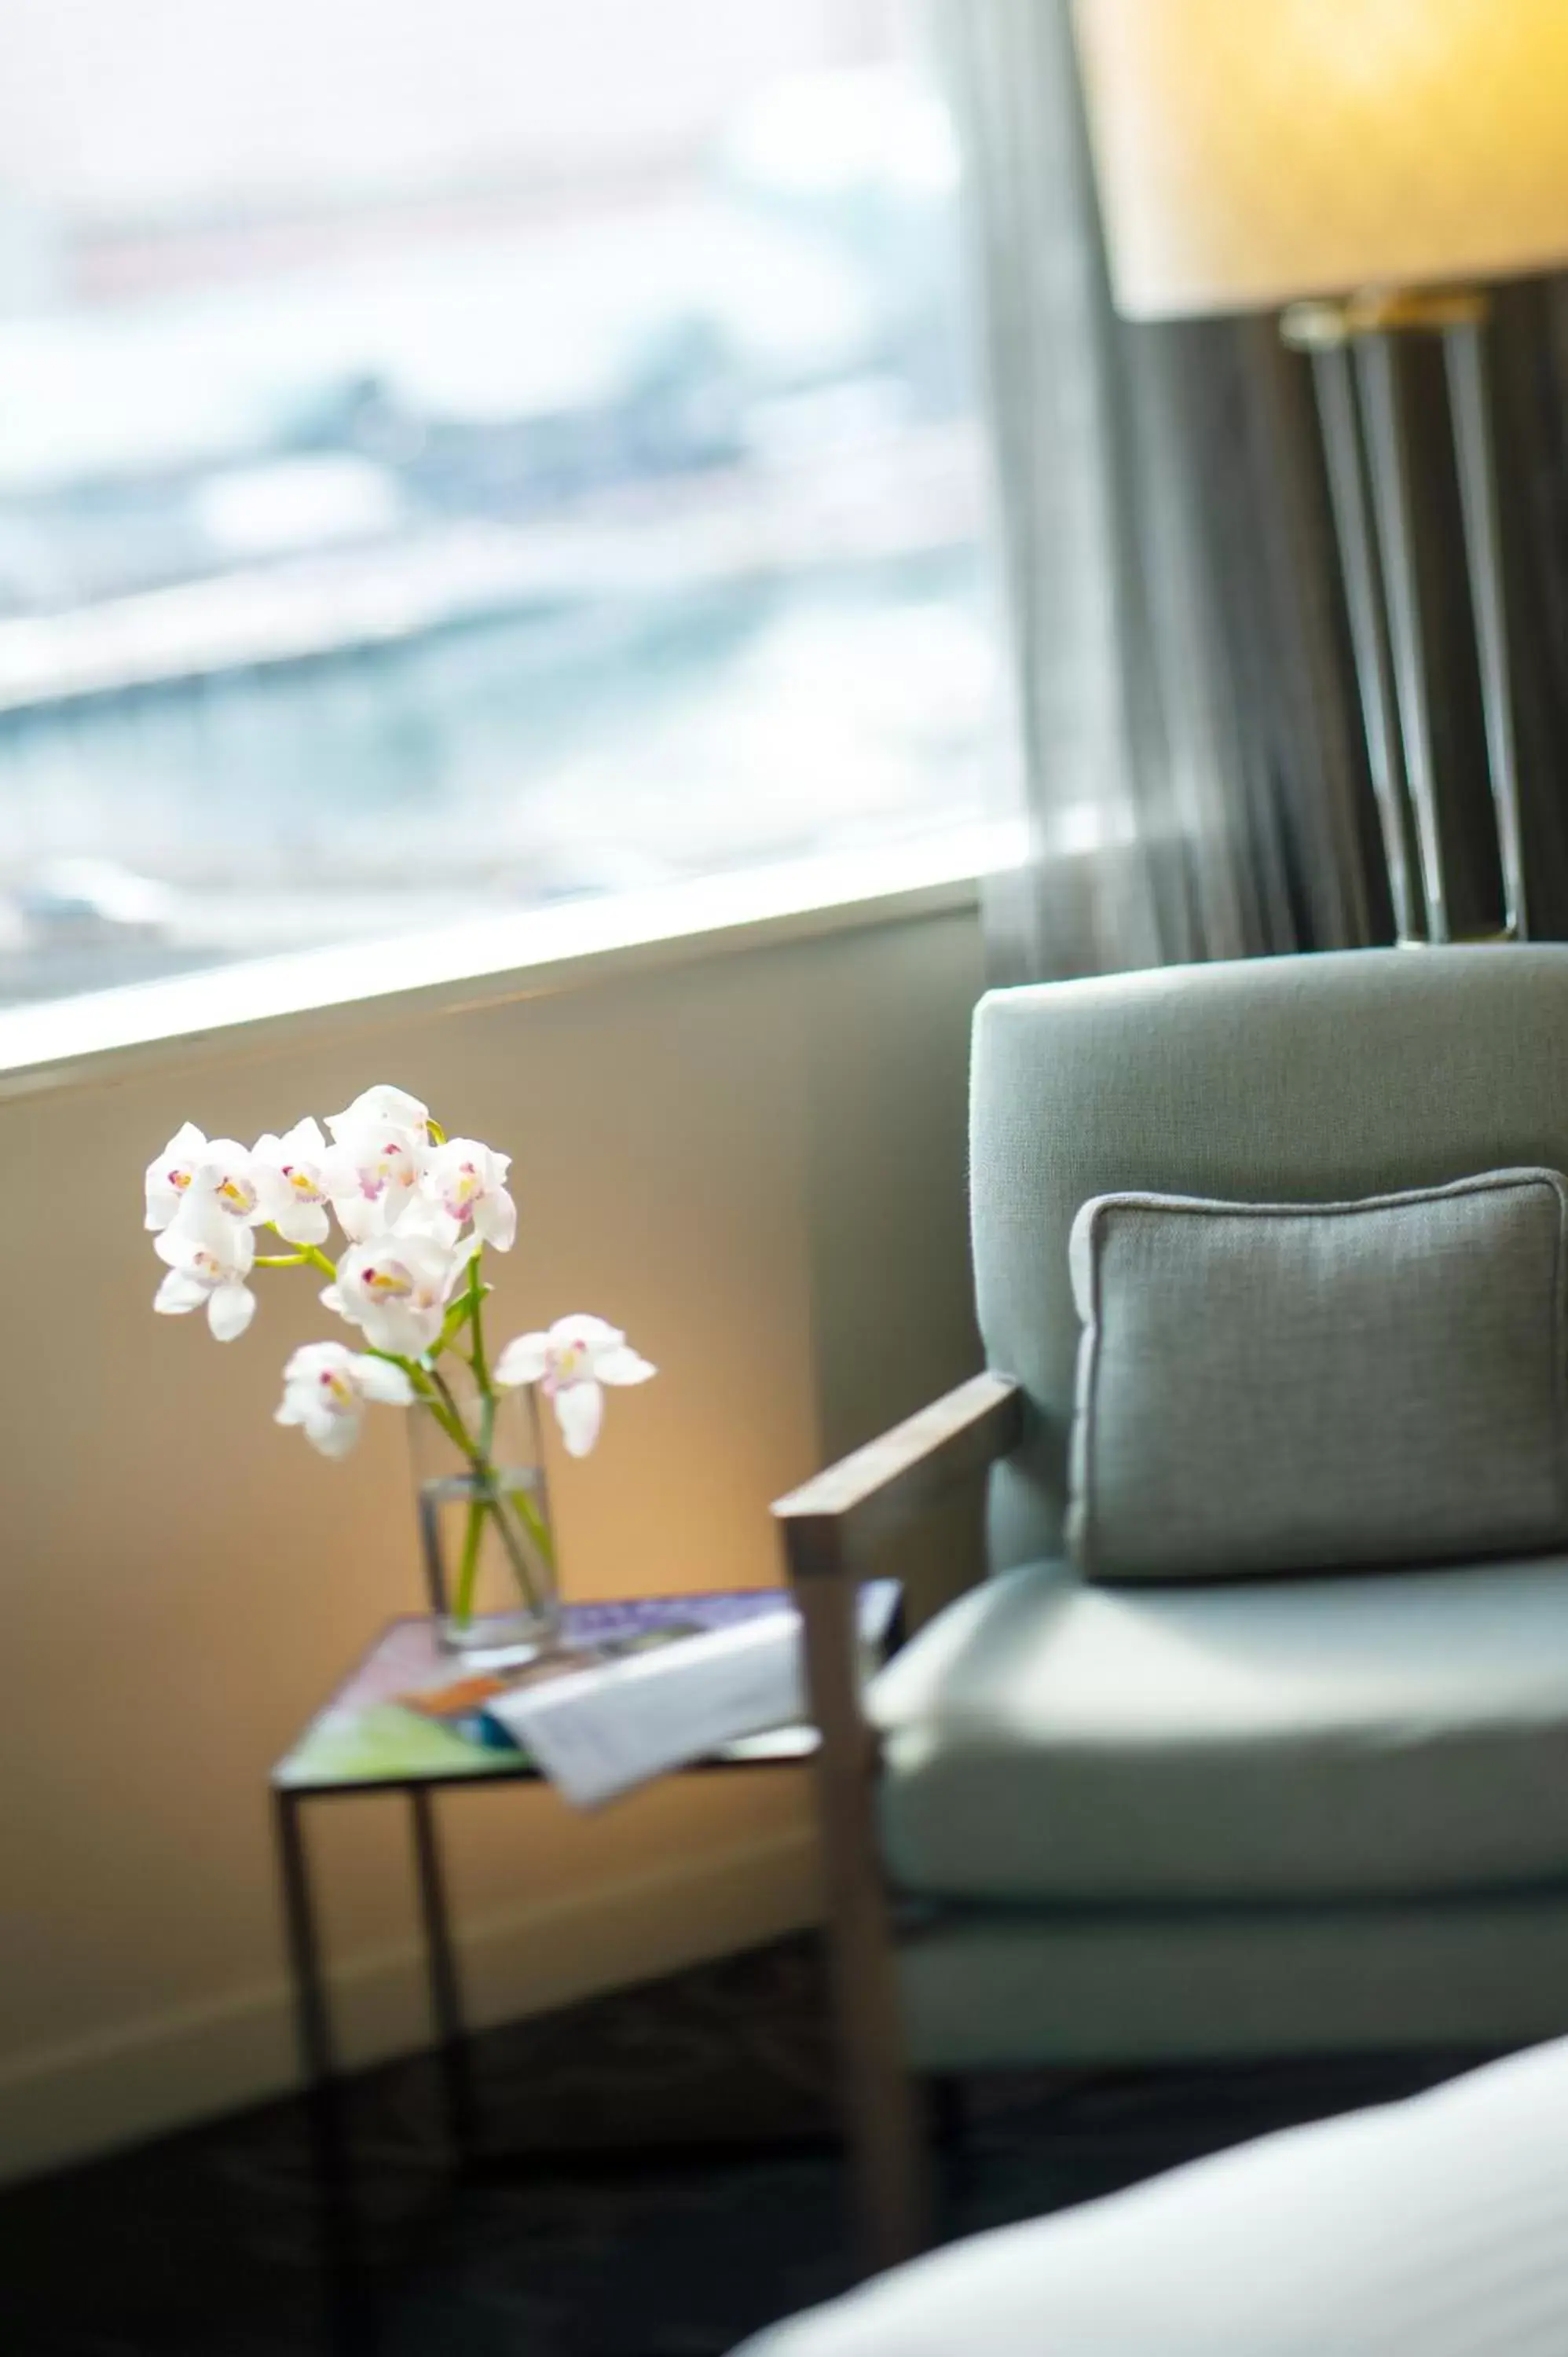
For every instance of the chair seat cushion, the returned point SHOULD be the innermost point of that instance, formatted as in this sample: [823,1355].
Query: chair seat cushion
[1370,1737]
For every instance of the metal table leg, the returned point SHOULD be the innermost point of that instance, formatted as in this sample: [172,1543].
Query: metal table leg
[350,2313]
[312,2023]
[445,2000]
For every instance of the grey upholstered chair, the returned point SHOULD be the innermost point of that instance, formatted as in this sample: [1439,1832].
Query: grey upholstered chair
[1071,1825]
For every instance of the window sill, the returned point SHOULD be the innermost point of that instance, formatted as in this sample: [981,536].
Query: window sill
[233,1010]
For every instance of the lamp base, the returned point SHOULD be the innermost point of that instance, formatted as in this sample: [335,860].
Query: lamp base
[1351,340]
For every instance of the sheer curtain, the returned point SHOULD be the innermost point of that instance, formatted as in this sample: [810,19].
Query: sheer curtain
[1193,762]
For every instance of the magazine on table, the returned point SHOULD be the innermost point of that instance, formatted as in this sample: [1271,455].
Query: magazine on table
[652,1687]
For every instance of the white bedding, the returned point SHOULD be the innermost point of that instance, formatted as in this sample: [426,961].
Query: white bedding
[1436,2227]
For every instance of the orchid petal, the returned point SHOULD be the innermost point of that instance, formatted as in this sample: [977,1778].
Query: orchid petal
[201,1231]
[302,1223]
[495,1219]
[334,1436]
[407,1331]
[339,1171]
[169,1174]
[373,1107]
[170,1246]
[229,1309]
[585,1333]
[305,1141]
[413,1214]
[622,1365]
[177,1294]
[360,1217]
[427,1219]
[314,1360]
[524,1360]
[377,1381]
[330,1298]
[579,1410]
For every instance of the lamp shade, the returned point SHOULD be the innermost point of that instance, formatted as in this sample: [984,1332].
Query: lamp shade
[1250,152]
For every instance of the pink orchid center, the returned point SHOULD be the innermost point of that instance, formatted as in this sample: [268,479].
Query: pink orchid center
[389,1283]
[463,1188]
[389,1168]
[236,1195]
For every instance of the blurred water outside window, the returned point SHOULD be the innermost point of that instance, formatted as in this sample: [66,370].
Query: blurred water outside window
[458,454]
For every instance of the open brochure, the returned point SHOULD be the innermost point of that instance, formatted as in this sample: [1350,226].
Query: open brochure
[602,1716]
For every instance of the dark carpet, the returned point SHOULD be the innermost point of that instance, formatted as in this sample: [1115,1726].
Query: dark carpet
[209,2244]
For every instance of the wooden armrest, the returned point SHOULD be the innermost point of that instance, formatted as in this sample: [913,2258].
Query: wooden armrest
[884,1483]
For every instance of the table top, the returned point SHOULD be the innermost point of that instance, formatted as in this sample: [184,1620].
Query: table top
[409,1712]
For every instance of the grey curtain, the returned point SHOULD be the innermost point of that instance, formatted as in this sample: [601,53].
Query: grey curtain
[1194,760]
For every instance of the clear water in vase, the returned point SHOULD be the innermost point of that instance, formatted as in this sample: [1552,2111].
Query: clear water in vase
[484,1516]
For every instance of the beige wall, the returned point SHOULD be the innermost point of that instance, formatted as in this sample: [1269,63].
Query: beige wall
[755,1163]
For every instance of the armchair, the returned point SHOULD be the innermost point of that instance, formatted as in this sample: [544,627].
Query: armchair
[1071,1825]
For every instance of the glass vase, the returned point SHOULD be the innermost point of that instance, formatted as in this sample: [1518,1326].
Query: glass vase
[484,1520]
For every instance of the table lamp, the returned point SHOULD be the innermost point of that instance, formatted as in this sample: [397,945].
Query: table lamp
[1360,166]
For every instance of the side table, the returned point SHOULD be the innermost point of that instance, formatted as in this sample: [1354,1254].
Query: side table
[368,1740]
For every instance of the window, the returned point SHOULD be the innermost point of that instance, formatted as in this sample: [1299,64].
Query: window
[458,454]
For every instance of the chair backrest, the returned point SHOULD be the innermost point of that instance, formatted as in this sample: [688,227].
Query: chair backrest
[1274,1080]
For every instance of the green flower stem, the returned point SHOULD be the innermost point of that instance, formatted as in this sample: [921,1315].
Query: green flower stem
[538,1529]
[468,1568]
[475,1303]
[438,1397]
[445,1410]
[517,1518]
[451,1327]
[457,1425]
[522,1570]
[301,1253]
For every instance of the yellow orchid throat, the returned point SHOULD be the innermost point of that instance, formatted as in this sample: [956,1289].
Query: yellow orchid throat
[393,1283]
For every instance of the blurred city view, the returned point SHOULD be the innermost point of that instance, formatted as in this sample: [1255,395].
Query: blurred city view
[465,453]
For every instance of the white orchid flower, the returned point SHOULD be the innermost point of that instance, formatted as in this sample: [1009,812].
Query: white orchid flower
[191,1167]
[395,1288]
[326,1387]
[379,1146]
[210,1256]
[571,1364]
[287,1174]
[171,1173]
[224,1176]
[467,1181]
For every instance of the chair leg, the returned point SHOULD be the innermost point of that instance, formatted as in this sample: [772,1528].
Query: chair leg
[885,2119]
[886,2124]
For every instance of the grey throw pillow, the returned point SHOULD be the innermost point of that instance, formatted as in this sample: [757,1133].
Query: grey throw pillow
[1274,1387]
